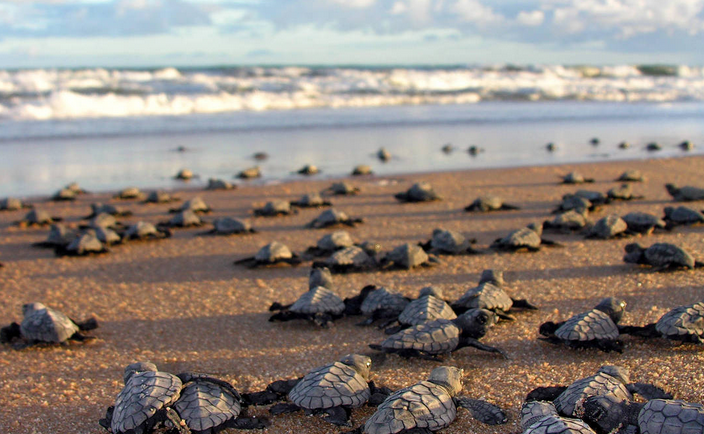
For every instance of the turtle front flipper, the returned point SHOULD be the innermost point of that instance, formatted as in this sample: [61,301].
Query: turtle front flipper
[646,331]
[287,315]
[548,394]
[648,391]
[698,264]
[275,391]
[248,423]
[10,333]
[379,394]
[483,411]
[395,329]
[522,303]
[608,345]
[504,315]
[278,306]
[548,328]
[284,408]
[107,420]
[471,342]
[339,416]
[507,207]
[550,243]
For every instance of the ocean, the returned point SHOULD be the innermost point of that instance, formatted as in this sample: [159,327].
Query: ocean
[111,128]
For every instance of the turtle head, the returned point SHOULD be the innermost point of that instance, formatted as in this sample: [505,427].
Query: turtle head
[136,368]
[672,189]
[31,307]
[431,290]
[613,307]
[618,372]
[449,377]
[475,322]
[668,211]
[492,276]
[537,228]
[361,364]
[533,410]
[634,253]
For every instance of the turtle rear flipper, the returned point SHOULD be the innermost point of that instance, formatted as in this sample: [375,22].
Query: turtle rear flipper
[10,333]
[648,391]
[339,416]
[507,207]
[646,331]
[379,394]
[287,315]
[698,264]
[471,342]
[548,242]
[278,306]
[483,411]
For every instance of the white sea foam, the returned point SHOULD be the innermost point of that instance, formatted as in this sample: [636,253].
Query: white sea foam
[47,94]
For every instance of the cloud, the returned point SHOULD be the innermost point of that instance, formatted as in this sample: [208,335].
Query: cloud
[531,19]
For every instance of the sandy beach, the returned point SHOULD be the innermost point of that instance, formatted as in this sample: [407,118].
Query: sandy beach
[182,304]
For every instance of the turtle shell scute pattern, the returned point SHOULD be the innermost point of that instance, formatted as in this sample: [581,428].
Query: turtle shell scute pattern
[383,299]
[436,337]
[425,309]
[47,325]
[570,401]
[558,425]
[204,405]
[486,296]
[665,254]
[318,300]
[524,237]
[682,321]
[330,386]
[665,416]
[142,397]
[588,326]
[423,405]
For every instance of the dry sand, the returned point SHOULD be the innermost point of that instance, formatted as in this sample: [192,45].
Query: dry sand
[182,304]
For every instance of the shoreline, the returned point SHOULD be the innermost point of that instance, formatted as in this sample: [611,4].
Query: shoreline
[181,304]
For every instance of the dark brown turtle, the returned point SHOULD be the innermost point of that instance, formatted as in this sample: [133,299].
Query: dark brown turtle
[341,189]
[158,196]
[429,306]
[12,204]
[383,155]
[489,203]
[37,217]
[490,295]
[685,194]
[528,238]
[144,231]
[419,192]
[406,257]
[682,216]
[660,256]
[311,200]
[429,406]
[594,328]
[219,184]
[622,192]
[643,223]
[631,175]
[575,178]
[319,305]
[231,226]
[348,260]
[42,324]
[275,208]
[447,242]
[568,221]
[362,170]
[440,337]
[183,219]
[250,173]
[196,205]
[273,254]
[683,323]
[333,218]
[83,245]
[331,243]
[611,226]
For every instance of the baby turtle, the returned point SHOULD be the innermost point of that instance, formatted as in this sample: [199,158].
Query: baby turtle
[489,203]
[624,145]
[576,178]
[319,305]
[541,417]
[429,306]
[129,193]
[145,402]
[275,208]
[104,220]
[383,155]
[59,235]
[407,256]
[595,197]
[250,173]
[571,202]
[376,304]
[607,227]
[333,218]
[440,337]
[447,148]
[341,189]
[184,175]
[219,184]
[348,260]
[653,146]
[37,217]
[311,200]
[145,231]
[657,416]
[332,390]
[551,147]
[196,205]
[685,194]
[594,328]
[447,242]
[490,295]
[528,238]
[683,323]
[686,145]
[159,196]
[682,216]
[64,195]
[105,235]
[660,256]
[42,324]
[73,186]
[308,170]
[12,204]
[428,406]
[568,221]
[83,245]
[419,192]
[643,223]
[183,219]
[475,150]
[273,254]
[260,156]
[230,226]
[106,208]
[631,175]
[362,170]
[623,192]
[331,243]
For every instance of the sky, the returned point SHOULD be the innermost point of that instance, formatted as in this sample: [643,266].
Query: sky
[152,33]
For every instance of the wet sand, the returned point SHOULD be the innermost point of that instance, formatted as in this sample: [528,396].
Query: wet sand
[183,305]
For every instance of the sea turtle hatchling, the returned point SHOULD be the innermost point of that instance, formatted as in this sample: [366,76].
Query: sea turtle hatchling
[129,193]
[333,390]
[576,178]
[448,242]
[440,337]
[105,235]
[59,235]
[595,197]
[419,192]
[489,203]
[73,186]
[660,256]
[631,175]
[383,154]
[103,220]
[42,324]
[568,221]
[12,204]
[250,173]
[185,175]
[197,205]
[219,184]
[311,200]
[183,219]
[320,277]
[429,306]
[64,195]
[273,254]
[656,416]
[158,196]
[643,223]
[333,218]
[231,226]
[331,243]
[376,303]
[429,405]
[348,260]
[144,231]
[685,194]
[622,192]
[37,217]
[319,305]
[571,202]
[490,295]
[607,227]
[683,323]
[83,245]
[361,170]
[341,189]
[527,238]
[407,256]
[275,208]
[308,170]
[682,216]
[106,208]
[594,328]
[541,417]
